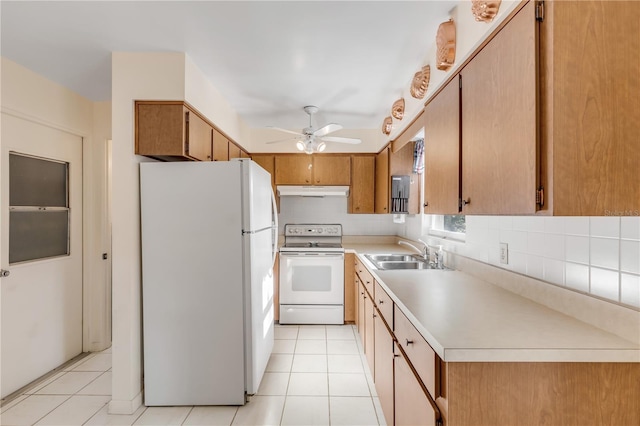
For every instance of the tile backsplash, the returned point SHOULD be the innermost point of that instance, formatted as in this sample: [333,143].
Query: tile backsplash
[594,255]
[333,210]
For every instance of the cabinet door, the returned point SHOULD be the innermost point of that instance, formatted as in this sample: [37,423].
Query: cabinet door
[411,404]
[293,169]
[383,359]
[499,131]
[382,182]
[234,151]
[593,71]
[442,151]
[331,170]
[198,144]
[361,294]
[220,147]
[349,292]
[369,337]
[362,193]
[160,129]
[401,163]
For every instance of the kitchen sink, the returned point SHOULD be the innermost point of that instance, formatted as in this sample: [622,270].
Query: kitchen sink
[403,265]
[391,257]
[400,262]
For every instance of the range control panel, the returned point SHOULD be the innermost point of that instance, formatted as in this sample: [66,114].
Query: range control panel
[313,230]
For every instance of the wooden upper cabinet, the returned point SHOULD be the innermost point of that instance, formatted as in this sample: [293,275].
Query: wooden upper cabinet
[401,163]
[294,169]
[363,175]
[234,151]
[297,169]
[198,137]
[499,132]
[442,151]
[171,130]
[590,114]
[220,147]
[331,170]
[382,182]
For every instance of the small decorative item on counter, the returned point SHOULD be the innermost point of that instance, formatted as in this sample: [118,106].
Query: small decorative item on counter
[421,82]
[386,125]
[485,11]
[446,45]
[397,110]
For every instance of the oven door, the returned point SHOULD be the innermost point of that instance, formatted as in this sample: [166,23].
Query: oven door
[311,278]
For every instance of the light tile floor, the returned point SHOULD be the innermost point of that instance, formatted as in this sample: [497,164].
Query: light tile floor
[317,375]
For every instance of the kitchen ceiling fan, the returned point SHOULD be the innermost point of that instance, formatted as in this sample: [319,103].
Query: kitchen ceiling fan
[312,140]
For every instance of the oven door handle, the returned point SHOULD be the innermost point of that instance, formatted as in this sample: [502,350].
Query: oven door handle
[282,254]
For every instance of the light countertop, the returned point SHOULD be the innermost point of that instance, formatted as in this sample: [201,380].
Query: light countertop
[466,319]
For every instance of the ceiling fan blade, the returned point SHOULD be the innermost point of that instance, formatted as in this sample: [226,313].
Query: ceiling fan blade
[329,128]
[339,139]
[284,130]
[284,140]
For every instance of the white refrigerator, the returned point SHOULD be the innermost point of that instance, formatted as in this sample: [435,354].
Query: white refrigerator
[209,233]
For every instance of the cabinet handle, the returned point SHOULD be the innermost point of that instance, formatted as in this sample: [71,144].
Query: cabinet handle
[362,293]
[467,201]
[396,355]
[408,342]
[380,302]
[368,282]
[426,204]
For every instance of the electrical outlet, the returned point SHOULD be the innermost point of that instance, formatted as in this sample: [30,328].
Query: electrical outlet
[504,253]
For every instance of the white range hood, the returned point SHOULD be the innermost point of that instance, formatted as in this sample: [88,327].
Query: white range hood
[312,191]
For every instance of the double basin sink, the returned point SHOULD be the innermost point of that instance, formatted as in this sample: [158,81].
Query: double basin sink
[401,261]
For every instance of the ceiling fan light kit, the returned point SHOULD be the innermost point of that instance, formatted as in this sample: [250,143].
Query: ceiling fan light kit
[312,140]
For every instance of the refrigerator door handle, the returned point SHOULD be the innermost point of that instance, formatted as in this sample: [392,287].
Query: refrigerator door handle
[274,232]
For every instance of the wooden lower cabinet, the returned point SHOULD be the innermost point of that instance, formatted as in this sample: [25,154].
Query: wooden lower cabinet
[412,407]
[526,393]
[361,294]
[350,300]
[383,361]
[369,338]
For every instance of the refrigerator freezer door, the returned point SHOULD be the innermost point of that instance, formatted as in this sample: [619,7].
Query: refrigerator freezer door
[259,310]
[192,270]
[256,197]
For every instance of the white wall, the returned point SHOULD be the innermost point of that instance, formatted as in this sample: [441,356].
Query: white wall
[149,76]
[333,210]
[206,98]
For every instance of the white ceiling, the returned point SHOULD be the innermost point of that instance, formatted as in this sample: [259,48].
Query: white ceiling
[268,59]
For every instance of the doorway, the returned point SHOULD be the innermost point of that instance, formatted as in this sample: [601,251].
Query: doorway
[41,247]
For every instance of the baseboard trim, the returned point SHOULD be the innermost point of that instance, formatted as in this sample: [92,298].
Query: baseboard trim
[123,406]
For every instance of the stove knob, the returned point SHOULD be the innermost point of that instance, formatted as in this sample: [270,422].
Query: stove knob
[319,231]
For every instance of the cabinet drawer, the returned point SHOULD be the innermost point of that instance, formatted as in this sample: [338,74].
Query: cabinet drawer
[365,276]
[384,304]
[417,349]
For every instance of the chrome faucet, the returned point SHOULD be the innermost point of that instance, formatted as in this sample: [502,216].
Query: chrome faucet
[424,252]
